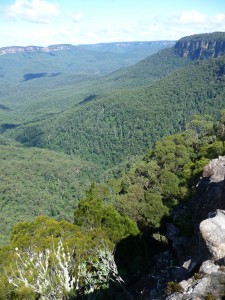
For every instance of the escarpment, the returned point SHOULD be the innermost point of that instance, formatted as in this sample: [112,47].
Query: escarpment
[201,46]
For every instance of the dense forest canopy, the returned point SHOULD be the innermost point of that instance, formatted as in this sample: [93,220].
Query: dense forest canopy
[140,200]
[115,125]
[210,37]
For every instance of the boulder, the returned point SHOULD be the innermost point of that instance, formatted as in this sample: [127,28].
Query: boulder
[208,267]
[210,194]
[212,231]
[201,286]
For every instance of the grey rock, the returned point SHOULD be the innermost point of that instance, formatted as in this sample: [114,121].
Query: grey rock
[208,267]
[202,286]
[186,284]
[192,297]
[217,284]
[215,169]
[212,231]
[175,296]
[200,49]
[210,194]
[190,264]
[207,247]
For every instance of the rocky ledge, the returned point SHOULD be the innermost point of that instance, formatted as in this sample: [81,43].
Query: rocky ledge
[207,281]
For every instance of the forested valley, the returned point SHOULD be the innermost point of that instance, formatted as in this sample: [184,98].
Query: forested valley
[93,164]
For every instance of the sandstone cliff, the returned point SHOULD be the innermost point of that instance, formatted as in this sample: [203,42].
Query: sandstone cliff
[202,46]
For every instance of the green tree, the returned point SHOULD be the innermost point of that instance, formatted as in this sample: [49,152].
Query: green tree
[93,214]
[54,260]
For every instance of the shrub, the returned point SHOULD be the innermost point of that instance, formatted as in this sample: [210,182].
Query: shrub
[173,287]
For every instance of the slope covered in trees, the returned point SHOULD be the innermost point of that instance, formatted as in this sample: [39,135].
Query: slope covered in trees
[37,182]
[29,71]
[47,95]
[56,86]
[116,125]
[145,194]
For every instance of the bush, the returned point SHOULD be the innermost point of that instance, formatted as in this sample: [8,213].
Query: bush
[173,287]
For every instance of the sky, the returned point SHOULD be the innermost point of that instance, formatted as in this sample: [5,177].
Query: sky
[49,22]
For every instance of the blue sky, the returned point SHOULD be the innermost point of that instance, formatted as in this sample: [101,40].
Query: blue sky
[47,22]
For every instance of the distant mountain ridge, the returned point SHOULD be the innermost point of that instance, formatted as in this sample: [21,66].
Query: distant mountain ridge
[31,49]
[123,47]
[118,47]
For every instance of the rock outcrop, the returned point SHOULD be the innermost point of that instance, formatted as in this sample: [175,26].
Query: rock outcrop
[202,286]
[202,46]
[210,194]
[208,280]
[212,231]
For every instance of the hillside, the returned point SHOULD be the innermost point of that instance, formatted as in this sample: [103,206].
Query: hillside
[108,128]
[153,68]
[37,182]
[41,98]
[107,218]
[46,95]
[38,81]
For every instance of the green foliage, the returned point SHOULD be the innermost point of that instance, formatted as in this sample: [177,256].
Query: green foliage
[47,258]
[33,245]
[198,276]
[36,182]
[201,124]
[120,123]
[209,37]
[68,78]
[166,176]
[173,287]
[154,210]
[92,214]
[23,293]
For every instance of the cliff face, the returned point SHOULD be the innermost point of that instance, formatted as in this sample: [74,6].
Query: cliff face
[31,49]
[201,46]
[208,208]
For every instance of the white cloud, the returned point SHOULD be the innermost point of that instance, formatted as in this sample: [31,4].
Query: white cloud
[76,17]
[219,19]
[39,11]
[192,22]
[190,16]
[94,30]
[193,17]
